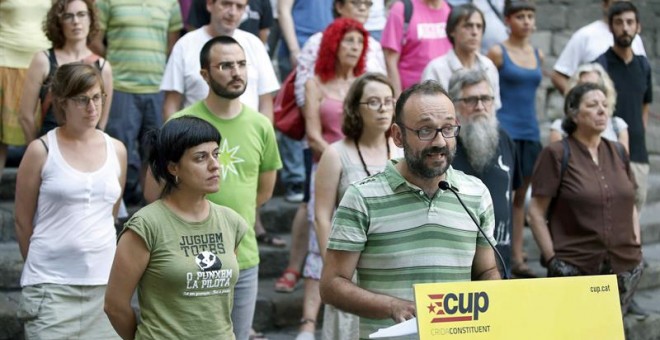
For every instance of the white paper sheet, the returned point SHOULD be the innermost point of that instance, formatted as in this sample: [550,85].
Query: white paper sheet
[407,327]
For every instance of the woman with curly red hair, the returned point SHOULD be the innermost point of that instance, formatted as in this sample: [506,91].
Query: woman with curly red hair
[70,26]
[340,61]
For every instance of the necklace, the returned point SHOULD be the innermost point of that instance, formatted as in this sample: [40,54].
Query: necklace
[364,165]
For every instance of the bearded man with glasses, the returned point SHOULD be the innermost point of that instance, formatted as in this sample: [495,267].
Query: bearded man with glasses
[485,150]
[399,227]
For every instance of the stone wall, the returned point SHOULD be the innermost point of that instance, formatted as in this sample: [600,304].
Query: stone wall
[556,20]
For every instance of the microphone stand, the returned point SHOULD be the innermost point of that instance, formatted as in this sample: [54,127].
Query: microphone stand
[444,185]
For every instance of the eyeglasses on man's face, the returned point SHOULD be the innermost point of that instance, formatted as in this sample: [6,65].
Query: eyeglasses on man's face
[473,101]
[68,17]
[427,134]
[83,101]
[231,65]
[376,104]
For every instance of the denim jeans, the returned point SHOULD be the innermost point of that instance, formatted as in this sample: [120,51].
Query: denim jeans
[293,166]
[245,301]
[132,115]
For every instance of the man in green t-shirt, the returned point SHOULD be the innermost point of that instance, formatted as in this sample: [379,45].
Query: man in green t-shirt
[249,160]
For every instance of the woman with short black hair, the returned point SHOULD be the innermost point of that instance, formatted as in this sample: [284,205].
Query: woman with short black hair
[180,251]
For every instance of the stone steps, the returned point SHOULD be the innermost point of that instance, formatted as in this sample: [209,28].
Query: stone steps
[277,310]
[10,327]
[277,214]
[653,194]
[649,328]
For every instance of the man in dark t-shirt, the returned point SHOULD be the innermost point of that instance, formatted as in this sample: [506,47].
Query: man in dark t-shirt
[486,151]
[631,75]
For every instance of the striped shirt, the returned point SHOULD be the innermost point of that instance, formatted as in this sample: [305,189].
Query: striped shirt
[406,238]
[137,33]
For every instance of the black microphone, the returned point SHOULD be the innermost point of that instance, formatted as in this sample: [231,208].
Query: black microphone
[444,185]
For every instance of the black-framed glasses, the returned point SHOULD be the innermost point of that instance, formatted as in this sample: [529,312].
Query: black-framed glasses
[376,104]
[68,17]
[358,3]
[474,100]
[83,101]
[230,65]
[427,134]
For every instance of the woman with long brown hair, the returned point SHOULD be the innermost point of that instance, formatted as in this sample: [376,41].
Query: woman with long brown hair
[366,149]
[70,25]
[341,60]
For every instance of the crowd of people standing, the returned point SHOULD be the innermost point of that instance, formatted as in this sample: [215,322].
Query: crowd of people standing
[406,103]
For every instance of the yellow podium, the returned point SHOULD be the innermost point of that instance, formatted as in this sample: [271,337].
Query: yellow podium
[584,307]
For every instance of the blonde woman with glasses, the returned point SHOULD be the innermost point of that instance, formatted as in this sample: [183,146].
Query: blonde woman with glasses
[68,189]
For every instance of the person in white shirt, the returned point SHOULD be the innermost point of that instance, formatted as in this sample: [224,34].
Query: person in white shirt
[377,19]
[585,45]
[495,31]
[465,29]
[68,190]
[184,85]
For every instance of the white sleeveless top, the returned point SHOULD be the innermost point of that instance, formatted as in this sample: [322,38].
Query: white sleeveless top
[74,236]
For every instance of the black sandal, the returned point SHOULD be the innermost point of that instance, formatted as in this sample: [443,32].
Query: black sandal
[271,240]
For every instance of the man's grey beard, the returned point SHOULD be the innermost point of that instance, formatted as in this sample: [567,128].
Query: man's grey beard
[480,138]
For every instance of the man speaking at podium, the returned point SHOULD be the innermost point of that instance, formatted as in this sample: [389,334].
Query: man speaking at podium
[398,228]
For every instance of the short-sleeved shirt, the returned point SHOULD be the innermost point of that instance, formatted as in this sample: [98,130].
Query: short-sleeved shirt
[247,149]
[309,17]
[191,273]
[377,16]
[586,44]
[425,39]
[501,176]
[406,238]
[137,34]
[442,68]
[592,219]
[634,88]
[258,15]
[182,70]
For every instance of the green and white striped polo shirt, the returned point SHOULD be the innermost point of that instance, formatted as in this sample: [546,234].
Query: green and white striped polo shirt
[137,34]
[405,237]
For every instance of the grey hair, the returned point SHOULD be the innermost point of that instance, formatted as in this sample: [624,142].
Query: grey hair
[463,78]
[572,104]
[605,82]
